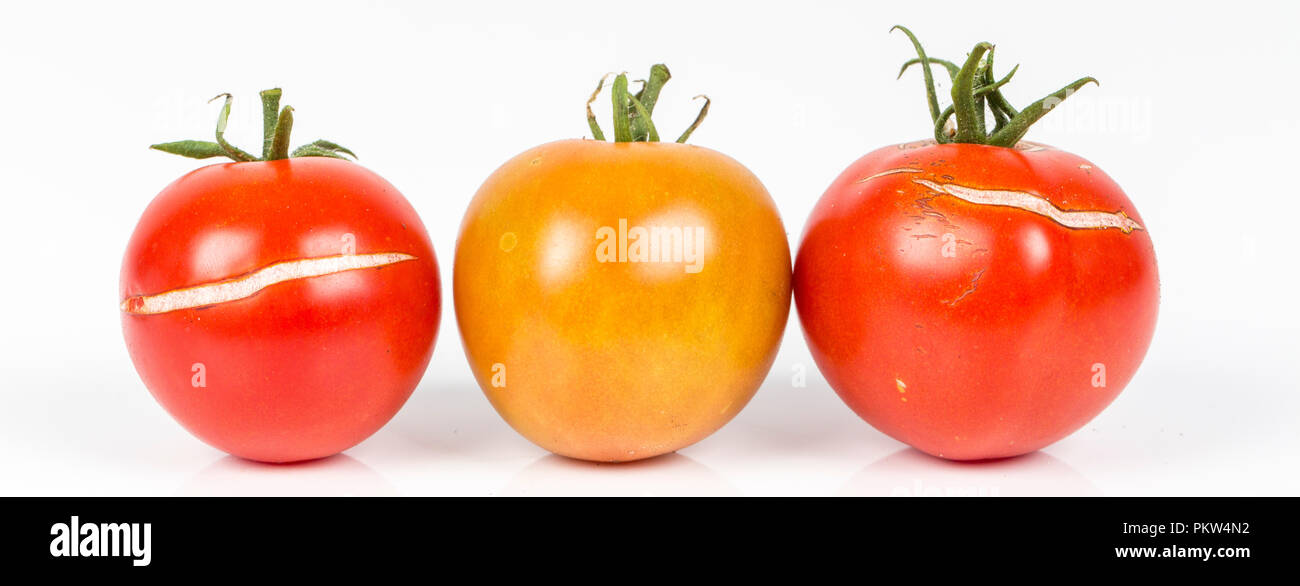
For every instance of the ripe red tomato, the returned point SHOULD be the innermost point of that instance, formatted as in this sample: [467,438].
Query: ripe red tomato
[622,300]
[976,301]
[280,310]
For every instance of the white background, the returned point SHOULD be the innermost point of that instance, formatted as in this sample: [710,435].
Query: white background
[1195,117]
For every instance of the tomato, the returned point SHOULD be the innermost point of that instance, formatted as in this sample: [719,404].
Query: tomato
[280,310]
[976,301]
[621,300]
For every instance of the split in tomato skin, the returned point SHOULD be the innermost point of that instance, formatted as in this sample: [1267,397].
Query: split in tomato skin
[974,299]
[974,331]
[300,368]
[304,368]
[618,361]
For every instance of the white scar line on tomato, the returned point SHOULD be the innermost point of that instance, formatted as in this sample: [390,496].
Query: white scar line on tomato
[248,285]
[1082,219]
[1079,219]
[888,172]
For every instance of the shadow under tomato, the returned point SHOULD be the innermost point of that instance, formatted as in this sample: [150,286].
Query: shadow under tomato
[666,475]
[338,475]
[795,421]
[910,472]
[450,422]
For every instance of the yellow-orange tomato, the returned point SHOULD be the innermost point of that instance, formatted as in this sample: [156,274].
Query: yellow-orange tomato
[618,301]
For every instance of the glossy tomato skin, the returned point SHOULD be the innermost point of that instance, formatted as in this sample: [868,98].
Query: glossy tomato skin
[302,369]
[616,361]
[966,327]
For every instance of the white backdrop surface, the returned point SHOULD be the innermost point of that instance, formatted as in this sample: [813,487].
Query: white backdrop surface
[1193,118]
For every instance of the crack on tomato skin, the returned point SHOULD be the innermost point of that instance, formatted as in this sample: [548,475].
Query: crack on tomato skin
[249,284]
[974,284]
[1024,200]
[888,172]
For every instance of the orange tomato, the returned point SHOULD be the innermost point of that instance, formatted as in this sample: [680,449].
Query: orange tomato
[619,301]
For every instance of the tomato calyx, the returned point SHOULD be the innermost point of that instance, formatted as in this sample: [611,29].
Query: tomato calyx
[632,112]
[277,125]
[973,92]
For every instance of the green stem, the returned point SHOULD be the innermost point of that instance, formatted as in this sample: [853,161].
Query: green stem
[983,80]
[270,116]
[648,96]
[940,126]
[634,113]
[1018,126]
[963,97]
[704,111]
[949,65]
[930,95]
[280,142]
[973,91]
[622,123]
[223,117]
[276,130]
[989,90]
[643,114]
[997,100]
[596,133]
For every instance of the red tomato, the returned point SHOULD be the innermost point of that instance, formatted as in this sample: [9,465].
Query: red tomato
[976,301]
[280,310]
